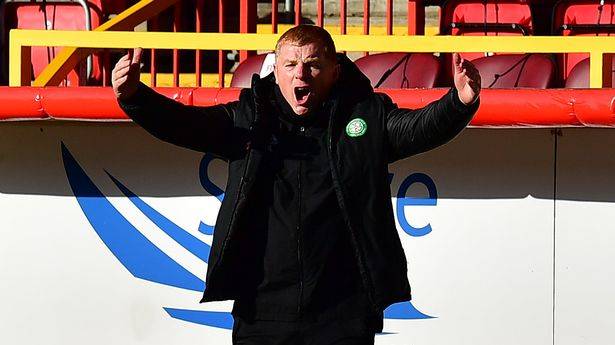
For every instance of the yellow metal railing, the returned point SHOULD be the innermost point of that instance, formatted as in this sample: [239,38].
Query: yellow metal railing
[127,20]
[22,40]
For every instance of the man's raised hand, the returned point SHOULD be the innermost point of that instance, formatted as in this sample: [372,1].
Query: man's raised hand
[467,79]
[125,74]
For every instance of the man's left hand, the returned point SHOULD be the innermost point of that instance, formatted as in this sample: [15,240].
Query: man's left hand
[467,80]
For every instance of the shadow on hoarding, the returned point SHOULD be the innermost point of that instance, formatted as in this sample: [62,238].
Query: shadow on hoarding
[479,164]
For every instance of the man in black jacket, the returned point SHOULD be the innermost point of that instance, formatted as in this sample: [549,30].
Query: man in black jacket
[305,241]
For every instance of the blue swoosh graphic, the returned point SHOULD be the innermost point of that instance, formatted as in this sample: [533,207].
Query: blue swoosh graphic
[210,187]
[140,256]
[181,236]
[206,229]
[404,311]
[146,261]
[208,318]
[208,184]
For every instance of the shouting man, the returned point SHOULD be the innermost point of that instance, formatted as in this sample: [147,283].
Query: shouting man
[305,242]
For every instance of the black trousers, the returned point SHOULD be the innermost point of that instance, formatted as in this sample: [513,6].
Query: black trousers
[357,331]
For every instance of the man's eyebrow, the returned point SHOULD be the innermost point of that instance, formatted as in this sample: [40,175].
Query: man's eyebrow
[306,60]
[312,59]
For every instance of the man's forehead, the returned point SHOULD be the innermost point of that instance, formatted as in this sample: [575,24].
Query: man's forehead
[312,51]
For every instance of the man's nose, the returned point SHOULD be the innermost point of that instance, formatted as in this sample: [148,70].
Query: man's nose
[301,70]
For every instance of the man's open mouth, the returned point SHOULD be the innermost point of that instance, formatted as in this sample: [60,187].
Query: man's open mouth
[302,93]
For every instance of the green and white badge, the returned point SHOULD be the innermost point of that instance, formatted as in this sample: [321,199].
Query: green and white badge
[356,127]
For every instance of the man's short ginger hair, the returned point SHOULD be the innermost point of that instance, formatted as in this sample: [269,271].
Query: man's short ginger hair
[301,35]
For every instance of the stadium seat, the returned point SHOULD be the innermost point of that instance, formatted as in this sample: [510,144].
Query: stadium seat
[516,71]
[584,17]
[581,18]
[483,17]
[400,70]
[258,64]
[578,78]
[56,16]
[486,17]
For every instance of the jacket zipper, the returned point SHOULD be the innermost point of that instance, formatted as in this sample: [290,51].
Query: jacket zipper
[299,261]
[340,198]
[232,220]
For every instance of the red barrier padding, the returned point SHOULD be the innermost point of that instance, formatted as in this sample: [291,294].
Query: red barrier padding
[84,103]
[227,95]
[499,107]
[528,107]
[206,96]
[181,94]
[593,109]
[18,103]
[209,96]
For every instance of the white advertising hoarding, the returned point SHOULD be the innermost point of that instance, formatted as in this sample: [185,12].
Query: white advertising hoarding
[105,234]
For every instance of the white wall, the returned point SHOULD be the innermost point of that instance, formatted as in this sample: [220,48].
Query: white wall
[485,271]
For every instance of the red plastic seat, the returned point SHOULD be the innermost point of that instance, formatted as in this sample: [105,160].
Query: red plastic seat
[406,70]
[577,17]
[578,78]
[581,18]
[516,71]
[483,18]
[56,16]
[486,17]
[242,76]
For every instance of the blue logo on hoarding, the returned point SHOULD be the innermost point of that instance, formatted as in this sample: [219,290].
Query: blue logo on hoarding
[403,200]
[144,260]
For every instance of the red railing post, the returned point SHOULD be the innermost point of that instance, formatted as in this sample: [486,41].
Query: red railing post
[297,12]
[416,17]
[197,53]
[343,17]
[365,17]
[247,22]
[320,10]
[389,17]
[220,52]
[274,16]
[152,61]
[365,20]
[106,65]
[176,28]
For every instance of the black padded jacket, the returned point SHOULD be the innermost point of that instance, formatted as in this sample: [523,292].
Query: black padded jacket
[358,158]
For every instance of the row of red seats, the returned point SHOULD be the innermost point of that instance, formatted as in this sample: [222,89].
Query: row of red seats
[492,18]
[459,17]
[408,70]
[60,15]
[515,17]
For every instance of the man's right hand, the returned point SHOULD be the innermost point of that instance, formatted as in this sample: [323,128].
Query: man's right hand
[125,74]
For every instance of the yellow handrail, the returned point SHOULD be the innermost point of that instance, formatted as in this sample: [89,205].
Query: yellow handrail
[68,57]
[21,40]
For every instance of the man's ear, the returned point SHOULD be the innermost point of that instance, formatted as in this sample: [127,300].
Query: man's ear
[275,72]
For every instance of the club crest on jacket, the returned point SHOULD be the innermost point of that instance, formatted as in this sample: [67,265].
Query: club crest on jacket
[356,127]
